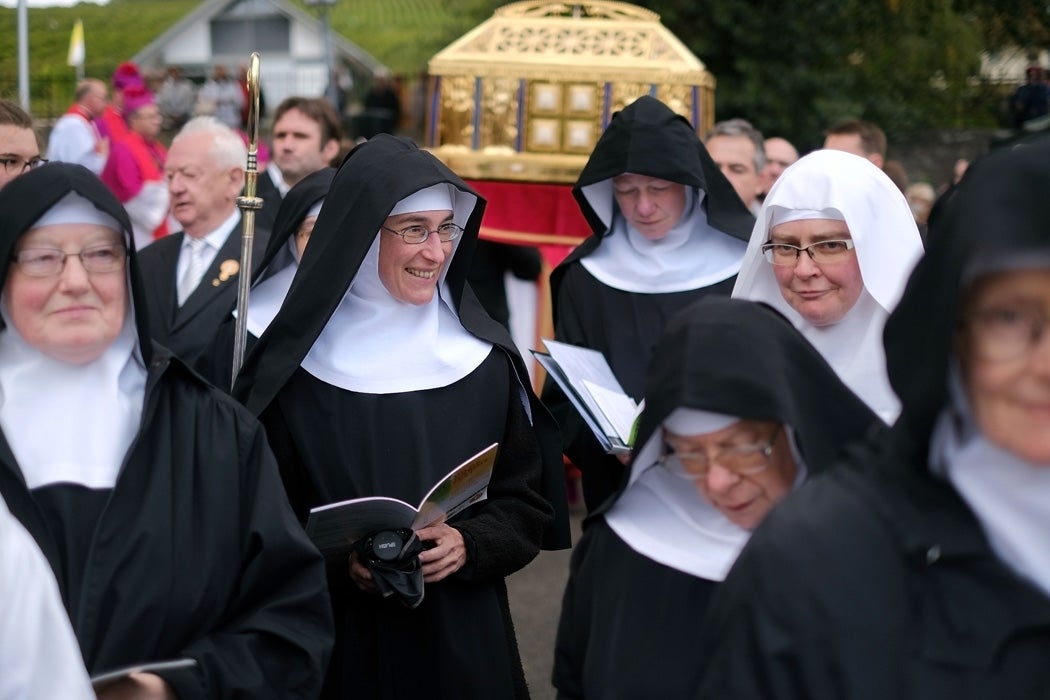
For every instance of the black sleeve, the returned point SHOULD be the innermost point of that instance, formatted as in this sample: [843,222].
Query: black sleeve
[505,531]
[813,607]
[574,625]
[277,633]
[601,473]
[524,262]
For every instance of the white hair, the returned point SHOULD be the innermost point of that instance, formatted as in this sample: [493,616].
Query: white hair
[228,149]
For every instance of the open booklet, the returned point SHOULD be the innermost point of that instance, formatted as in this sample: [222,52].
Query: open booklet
[587,380]
[101,681]
[334,528]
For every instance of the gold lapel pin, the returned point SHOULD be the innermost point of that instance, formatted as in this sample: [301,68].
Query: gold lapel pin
[227,269]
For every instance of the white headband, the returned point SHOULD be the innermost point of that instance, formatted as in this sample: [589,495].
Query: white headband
[782,215]
[434,198]
[315,209]
[691,421]
[74,209]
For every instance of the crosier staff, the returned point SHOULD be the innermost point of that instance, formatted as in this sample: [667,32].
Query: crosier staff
[248,204]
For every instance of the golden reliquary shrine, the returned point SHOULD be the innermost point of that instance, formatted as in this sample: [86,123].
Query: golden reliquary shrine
[525,95]
[516,105]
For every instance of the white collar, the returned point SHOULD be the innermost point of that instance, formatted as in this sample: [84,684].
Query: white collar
[664,518]
[377,344]
[217,238]
[70,423]
[692,255]
[1005,492]
[268,295]
[277,177]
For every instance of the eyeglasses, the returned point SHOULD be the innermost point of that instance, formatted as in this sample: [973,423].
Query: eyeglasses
[47,262]
[1006,333]
[742,460]
[418,234]
[14,165]
[819,252]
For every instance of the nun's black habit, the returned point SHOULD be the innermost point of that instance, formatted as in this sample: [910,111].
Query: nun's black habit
[645,138]
[278,262]
[194,551]
[629,623]
[335,444]
[877,580]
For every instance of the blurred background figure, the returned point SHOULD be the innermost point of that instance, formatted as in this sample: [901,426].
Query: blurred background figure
[19,149]
[1030,100]
[112,124]
[920,196]
[176,98]
[76,137]
[858,137]
[740,153]
[222,97]
[780,153]
[382,107]
[135,168]
[488,270]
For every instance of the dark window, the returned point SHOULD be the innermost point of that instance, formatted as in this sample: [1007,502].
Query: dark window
[242,36]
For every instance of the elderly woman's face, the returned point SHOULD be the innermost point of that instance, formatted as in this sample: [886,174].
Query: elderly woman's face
[823,293]
[653,206]
[730,470]
[1006,361]
[410,271]
[74,315]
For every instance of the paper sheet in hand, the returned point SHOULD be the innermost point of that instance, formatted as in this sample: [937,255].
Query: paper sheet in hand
[570,366]
[335,527]
[619,409]
[101,681]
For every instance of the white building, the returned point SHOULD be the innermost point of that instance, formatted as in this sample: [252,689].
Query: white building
[290,42]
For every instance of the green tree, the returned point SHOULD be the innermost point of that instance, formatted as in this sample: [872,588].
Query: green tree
[793,68]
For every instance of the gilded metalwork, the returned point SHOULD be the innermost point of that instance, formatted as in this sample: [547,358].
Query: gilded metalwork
[499,124]
[526,94]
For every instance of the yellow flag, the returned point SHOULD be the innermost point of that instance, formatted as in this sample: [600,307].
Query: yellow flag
[76,45]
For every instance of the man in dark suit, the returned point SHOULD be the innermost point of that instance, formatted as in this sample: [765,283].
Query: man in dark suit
[191,276]
[307,136]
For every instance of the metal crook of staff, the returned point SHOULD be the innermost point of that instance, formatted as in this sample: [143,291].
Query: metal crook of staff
[248,204]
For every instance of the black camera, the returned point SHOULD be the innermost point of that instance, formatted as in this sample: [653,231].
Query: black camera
[387,545]
[393,558]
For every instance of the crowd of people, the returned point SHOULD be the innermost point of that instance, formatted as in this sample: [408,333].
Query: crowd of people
[835,489]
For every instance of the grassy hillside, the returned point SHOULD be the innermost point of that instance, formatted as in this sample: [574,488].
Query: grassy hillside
[403,34]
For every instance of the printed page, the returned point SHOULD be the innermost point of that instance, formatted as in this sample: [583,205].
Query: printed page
[618,408]
[465,485]
[102,681]
[335,527]
[573,394]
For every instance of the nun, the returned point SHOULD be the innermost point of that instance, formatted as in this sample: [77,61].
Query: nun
[379,374]
[832,248]
[922,568]
[740,409]
[38,651]
[154,497]
[295,219]
[668,229]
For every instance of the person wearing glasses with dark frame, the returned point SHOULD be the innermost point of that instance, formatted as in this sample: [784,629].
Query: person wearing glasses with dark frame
[116,457]
[920,567]
[832,247]
[19,148]
[740,409]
